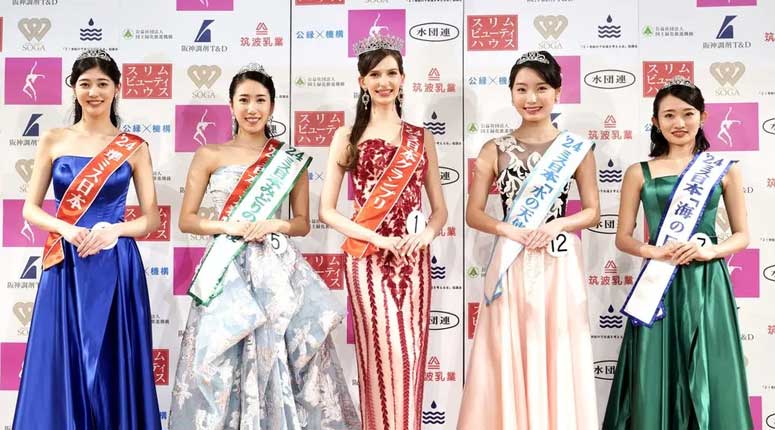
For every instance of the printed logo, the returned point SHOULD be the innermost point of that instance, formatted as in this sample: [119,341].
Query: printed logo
[330,268]
[744,273]
[571,78]
[204,35]
[205,5]
[441,320]
[277,128]
[473,317]
[162,233]
[732,126]
[610,175]
[32,129]
[198,125]
[609,30]
[434,32]
[11,363]
[161,366]
[727,30]
[492,33]
[727,74]
[718,3]
[612,319]
[184,263]
[434,415]
[550,26]
[33,81]
[375,22]
[769,126]
[90,33]
[34,29]
[204,76]
[448,175]
[656,73]
[23,313]
[609,79]
[605,369]
[17,232]
[438,271]
[438,128]
[606,225]
[30,271]
[147,81]
[316,128]
[24,169]
[769,273]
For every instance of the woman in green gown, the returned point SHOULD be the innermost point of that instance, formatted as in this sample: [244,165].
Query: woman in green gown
[687,371]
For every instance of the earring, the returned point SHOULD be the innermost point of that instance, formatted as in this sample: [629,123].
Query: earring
[365,99]
[401,97]
[659,130]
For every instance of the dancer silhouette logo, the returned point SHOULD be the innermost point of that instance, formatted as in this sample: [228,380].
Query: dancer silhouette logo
[375,22]
[33,81]
[198,125]
[19,233]
[204,5]
[732,126]
[11,362]
[744,272]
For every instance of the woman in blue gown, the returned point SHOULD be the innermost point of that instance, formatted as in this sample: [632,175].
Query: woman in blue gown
[88,364]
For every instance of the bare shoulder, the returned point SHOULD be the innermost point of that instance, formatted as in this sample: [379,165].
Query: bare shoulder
[634,173]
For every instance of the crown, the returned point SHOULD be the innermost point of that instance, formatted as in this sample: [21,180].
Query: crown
[252,67]
[95,53]
[372,43]
[678,80]
[532,56]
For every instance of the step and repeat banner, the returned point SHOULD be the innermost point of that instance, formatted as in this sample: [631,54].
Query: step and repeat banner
[177,59]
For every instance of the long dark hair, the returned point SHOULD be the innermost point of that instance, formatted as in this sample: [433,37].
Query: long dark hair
[108,67]
[692,96]
[550,73]
[261,78]
[366,62]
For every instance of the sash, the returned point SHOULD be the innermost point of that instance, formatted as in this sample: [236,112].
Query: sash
[536,197]
[679,222]
[276,172]
[389,188]
[82,192]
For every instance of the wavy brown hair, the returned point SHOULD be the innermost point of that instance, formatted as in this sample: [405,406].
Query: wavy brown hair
[366,62]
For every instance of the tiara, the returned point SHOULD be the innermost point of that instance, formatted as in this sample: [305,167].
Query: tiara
[678,80]
[532,56]
[372,43]
[252,67]
[95,53]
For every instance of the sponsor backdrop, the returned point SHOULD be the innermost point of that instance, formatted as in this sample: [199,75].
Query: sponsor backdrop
[177,62]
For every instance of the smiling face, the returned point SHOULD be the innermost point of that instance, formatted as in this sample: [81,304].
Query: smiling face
[678,121]
[251,106]
[533,97]
[383,81]
[95,91]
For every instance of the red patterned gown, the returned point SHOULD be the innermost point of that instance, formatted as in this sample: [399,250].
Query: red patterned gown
[391,304]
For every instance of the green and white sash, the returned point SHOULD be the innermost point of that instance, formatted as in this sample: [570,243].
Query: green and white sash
[260,200]
[535,199]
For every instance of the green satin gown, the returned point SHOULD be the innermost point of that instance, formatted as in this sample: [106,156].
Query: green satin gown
[687,371]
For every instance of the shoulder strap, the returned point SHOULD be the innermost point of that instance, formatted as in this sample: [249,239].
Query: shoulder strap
[644,165]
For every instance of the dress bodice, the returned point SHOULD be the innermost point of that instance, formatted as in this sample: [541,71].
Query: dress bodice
[110,203]
[515,162]
[655,195]
[374,155]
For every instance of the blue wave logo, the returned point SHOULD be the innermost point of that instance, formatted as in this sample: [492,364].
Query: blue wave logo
[30,271]
[609,31]
[611,321]
[90,33]
[433,416]
[437,272]
[436,127]
[204,35]
[610,175]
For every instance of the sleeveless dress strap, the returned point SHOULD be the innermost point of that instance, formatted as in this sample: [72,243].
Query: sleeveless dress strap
[644,165]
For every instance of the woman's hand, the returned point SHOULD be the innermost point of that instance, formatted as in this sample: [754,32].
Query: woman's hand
[74,234]
[415,242]
[389,243]
[97,240]
[540,237]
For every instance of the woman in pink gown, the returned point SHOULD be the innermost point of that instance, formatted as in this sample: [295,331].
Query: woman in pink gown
[531,363]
